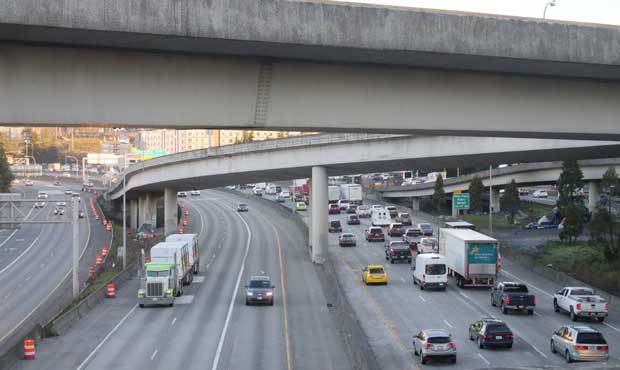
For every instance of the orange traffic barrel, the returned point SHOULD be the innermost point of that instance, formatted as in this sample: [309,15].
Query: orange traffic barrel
[96,216]
[180,229]
[108,227]
[110,291]
[105,221]
[187,212]
[29,349]
[147,259]
[184,222]
[99,260]
[182,205]
[104,251]
[91,271]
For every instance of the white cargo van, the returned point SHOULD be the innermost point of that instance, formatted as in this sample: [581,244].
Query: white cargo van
[430,271]
[381,217]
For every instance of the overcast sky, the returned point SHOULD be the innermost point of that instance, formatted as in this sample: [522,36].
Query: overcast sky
[592,11]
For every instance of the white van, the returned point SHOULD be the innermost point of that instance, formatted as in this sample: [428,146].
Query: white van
[381,217]
[430,271]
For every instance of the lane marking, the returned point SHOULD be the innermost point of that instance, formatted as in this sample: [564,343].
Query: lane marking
[464,295]
[530,284]
[403,279]
[42,265]
[537,350]
[173,321]
[20,256]
[611,326]
[153,355]
[484,359]
[537,314]
[422,298]
[220,344]
[105,339]
[28,278]
[447,323]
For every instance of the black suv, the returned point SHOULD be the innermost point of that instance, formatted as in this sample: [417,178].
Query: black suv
[259,290]
[491,333]
[335,226]
[397,251]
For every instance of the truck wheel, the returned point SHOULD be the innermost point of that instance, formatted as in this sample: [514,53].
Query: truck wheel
[421,286]
[552,345]
[480,345]
[493,301]
[415,282]
[141,304]
[573,317]
[247,303]
[171,304]
[556,308]
[423,360]
[504,309]
[530,312]
[392,261]
[600,319]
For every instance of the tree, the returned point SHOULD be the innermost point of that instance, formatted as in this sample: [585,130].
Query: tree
[476,190]
[510,200]
[604,226]
[570,203]
[6,177]
[439,197]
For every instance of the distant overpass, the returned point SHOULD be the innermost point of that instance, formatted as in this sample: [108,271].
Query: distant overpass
[523,174]
[303,65]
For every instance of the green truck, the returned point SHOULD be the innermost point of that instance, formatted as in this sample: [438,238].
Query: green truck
[159,285]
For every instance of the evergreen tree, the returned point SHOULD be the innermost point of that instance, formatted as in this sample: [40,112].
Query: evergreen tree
[510,200]
[573,224]
[6,177]
[604,226]
[439,197]
[476,190]
[570,203]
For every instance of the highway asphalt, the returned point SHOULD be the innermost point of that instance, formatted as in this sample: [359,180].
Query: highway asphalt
[210,327]
[35,259]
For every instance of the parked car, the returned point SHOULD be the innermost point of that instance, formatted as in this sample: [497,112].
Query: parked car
[353,220]
[392,211]
[404,218]
[182,194]
[434,344]
[540,194]
[375,233]
[396,229]
[242,207]
[259,290]
[374,274]
[580,302]
[397,251]
[491,332]
[334,226]
[347,239]
[580,343]
[426,229]
[513,296]
[363,211]
[334,208]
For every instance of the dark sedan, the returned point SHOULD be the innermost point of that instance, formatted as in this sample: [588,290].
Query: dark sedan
[242,207]
[259,290]
[491,333]
[353,220]
[334,226]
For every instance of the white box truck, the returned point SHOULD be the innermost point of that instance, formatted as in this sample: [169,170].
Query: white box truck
[192,241]
[351,192]
[177,253]
[333,194]
[472,257]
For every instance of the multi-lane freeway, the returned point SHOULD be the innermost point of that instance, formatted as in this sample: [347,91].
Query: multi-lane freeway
[36,258]
[210,327]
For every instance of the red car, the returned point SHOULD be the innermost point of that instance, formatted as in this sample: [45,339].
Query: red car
[334,208]
[375,234]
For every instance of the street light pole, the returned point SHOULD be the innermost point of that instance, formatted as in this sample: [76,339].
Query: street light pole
[76,250]
[124,220]
[550,3]
[491,199]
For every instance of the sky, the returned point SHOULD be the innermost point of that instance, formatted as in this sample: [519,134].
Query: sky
[590,11]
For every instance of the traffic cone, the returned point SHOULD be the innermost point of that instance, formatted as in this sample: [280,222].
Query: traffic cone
[110,291]
[29,353]
[180,230]
[104,251]
[91,271]
[108,227]
[184,222]
[99,260]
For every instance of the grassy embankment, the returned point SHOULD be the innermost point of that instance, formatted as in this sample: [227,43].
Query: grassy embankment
[500,221]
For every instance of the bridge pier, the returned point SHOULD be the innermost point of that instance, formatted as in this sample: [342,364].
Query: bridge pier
[319,214]
[594,195]
[133,214]
[170,211]
[495,205]
[147,209]
[141,209]
[415,204]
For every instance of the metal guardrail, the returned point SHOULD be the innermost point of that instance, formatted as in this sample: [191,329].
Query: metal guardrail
[256,146]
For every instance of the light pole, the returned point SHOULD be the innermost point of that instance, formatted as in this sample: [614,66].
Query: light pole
[550,3]
[124,220]
[491,199]
[84,170]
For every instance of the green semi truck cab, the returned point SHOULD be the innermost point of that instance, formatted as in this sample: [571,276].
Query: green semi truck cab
[159,284]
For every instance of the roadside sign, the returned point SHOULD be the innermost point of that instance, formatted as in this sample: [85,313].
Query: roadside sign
[460,201]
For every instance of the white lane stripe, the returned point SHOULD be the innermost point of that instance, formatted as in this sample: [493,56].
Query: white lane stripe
[484,359]
[537,314]
[8,238]
[220,344]
[114,329]
[539,351]
[530,284]
[153,355]
[422,298]
[464,295]
[447,323]
[611,326]
[173,321]
[20,256]
[403,279]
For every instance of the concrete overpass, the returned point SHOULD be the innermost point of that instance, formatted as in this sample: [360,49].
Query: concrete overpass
[523,174]
[320,156]
[301,65]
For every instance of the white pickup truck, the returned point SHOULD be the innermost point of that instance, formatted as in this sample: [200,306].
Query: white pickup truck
[580,302]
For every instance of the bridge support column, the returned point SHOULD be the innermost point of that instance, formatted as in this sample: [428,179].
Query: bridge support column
[495,201]
[141,209]
[310,211]
[170,211]
[415,204]
[594,195]
[319,215]
[133,214]
[150,209]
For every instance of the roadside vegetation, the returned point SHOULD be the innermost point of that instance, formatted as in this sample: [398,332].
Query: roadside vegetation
[6,177]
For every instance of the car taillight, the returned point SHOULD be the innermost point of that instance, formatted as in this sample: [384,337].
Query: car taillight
[534,300]
[392,252]
[606,306]
[487,336]
[602,348]
[409,251]
[451,345]
[580,348]
[579,306]
[506,300]
[428,345]
[508,336]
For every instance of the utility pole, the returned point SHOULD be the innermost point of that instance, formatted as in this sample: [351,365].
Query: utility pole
[76,249]
[491,199]
[124,220]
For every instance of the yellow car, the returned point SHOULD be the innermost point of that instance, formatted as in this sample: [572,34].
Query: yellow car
[300,206]
[374,274]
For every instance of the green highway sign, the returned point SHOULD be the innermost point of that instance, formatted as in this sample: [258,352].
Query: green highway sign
[460,201]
